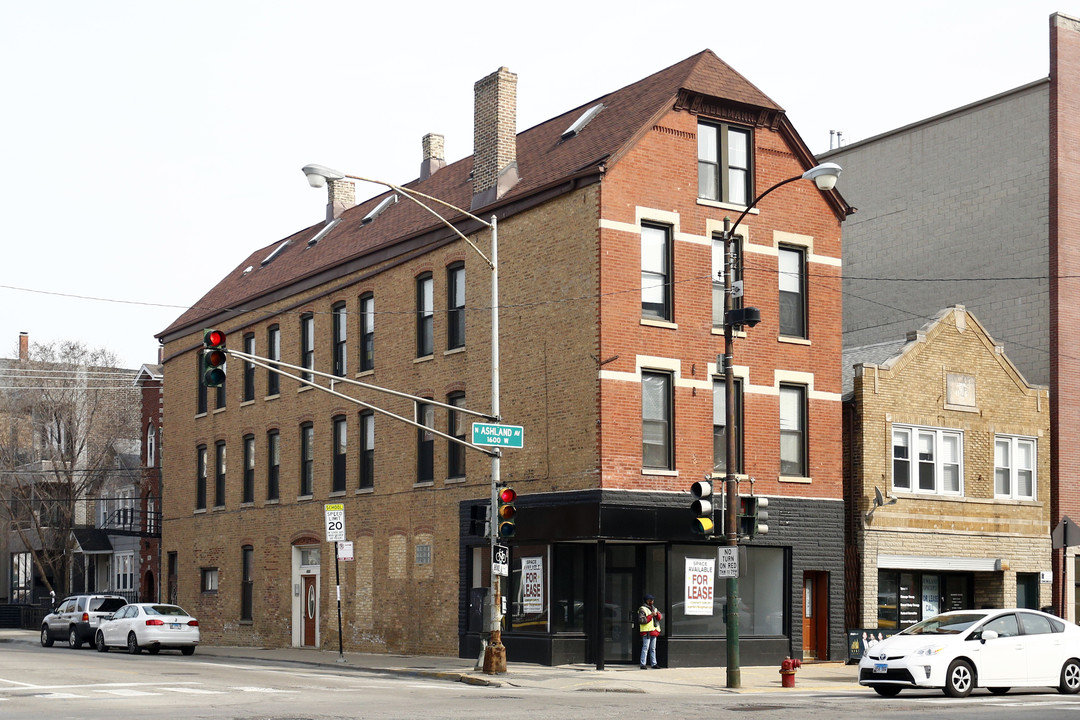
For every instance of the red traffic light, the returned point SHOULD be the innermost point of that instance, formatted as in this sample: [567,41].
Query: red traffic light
[507,495]
[214,339]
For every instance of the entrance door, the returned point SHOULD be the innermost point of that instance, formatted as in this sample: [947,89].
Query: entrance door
[815,613]
[310,605]
[619,632]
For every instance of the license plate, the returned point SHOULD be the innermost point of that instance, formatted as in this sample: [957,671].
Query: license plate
[175,626]
[881,667]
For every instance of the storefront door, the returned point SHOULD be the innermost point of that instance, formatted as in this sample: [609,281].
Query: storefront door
[619,593]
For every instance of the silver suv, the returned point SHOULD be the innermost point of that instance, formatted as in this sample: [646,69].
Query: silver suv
[76,618]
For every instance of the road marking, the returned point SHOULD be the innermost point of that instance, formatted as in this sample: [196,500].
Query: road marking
[263,690]
[192,691]
[126,692]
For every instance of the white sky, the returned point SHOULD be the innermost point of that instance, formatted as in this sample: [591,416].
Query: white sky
[146,148]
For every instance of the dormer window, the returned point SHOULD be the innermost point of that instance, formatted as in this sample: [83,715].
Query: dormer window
[725,172]
[582,121]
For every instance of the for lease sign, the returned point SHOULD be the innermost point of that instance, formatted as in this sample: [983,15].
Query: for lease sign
[699,585]
[532,584]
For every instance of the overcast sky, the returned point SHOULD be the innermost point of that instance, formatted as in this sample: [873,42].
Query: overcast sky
[147,148]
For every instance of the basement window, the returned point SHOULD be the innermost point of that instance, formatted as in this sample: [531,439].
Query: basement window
[582,121]
[380,209]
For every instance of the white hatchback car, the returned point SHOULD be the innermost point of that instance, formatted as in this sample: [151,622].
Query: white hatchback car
[959,651]
[148,625]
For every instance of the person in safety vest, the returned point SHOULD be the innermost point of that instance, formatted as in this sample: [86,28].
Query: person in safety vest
[649,618]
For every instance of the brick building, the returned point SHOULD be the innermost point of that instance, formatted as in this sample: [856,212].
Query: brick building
[608,220]
[149,382]
[947,477]
[982,196]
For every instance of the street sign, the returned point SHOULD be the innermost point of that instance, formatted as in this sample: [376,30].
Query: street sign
[345,551]
[729,562]
[511,436]
[500,563]
[335,522]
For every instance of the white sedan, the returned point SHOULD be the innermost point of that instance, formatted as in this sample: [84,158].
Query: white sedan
[959,651]
[148,625]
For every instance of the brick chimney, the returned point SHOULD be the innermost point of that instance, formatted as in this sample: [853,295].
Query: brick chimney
[24,346]
[494,137]
[340,196]
[434,155]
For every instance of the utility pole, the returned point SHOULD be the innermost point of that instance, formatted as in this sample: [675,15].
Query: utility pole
[731,487]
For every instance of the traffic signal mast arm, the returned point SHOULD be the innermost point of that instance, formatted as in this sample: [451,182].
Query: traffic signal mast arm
[276,365]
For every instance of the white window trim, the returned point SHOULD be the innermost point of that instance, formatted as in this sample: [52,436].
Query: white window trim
[913,461]
[1014,440]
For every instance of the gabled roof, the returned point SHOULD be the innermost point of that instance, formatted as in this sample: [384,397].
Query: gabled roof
[547,163]
[889,355]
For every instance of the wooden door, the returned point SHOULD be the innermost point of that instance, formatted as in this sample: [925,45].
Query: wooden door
[815,610]
[310,608]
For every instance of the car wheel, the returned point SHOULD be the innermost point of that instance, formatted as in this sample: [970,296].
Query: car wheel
[46,638]
[959,680]
[887,690]
[189,650]
[998,691]
[99,643]
[133,644]
[1070,677]
[74,641]
[154,649]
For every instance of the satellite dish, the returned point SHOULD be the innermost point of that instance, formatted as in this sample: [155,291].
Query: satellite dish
[878,500]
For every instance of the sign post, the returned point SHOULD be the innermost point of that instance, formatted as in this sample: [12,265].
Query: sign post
[335,533]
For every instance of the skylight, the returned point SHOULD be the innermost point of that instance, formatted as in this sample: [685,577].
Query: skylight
[379,209]
[582,121]
[277,251]
[322,233]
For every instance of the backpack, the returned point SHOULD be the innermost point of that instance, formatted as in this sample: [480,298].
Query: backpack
[642,616]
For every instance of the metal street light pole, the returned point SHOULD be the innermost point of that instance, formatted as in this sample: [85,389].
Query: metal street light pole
[495,652]
[824,176]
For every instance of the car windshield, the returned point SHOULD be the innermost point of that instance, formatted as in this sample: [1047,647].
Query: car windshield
[106,605]
[164,610]
[944,624]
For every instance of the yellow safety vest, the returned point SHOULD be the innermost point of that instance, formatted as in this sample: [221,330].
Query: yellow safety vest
[652,624]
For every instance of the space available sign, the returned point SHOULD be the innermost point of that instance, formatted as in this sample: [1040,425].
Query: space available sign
[532,584]
[699,585]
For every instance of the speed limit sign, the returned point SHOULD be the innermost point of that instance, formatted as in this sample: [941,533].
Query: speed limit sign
[335,522]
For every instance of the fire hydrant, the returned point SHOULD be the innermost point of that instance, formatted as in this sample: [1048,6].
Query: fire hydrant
[787,672]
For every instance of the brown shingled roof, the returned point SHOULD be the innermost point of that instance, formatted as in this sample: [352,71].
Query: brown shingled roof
[544,159]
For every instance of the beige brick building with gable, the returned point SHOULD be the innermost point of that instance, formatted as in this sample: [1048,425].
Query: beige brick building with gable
[956,442]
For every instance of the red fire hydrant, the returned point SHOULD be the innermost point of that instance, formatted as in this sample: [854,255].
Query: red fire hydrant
[787,672]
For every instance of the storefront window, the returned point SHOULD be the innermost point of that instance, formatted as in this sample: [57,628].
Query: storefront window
[905,598]
[762,593]
[529,590]
[568,589]
[888,617]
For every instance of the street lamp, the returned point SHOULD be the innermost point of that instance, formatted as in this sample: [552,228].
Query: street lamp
[824,176]
[318,175]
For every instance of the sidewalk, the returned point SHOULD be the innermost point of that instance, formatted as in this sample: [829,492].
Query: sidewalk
[811,677]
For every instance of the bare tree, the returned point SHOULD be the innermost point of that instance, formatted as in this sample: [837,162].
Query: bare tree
[71,414]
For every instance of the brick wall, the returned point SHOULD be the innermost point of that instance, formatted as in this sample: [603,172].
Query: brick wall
[975,525]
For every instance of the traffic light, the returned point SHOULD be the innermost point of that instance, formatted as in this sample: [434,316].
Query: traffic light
[703,507]
[753,516]
[478,520]
[507,512]
[213,358]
